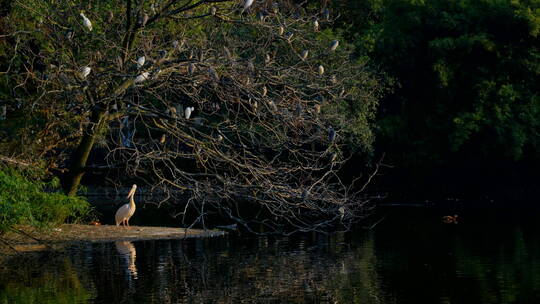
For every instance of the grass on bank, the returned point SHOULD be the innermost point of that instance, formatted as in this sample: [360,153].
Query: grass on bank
[25,201]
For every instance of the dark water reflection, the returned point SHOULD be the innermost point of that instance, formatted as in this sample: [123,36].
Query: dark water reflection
[491,258]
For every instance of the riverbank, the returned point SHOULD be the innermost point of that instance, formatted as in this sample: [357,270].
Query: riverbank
[30,239]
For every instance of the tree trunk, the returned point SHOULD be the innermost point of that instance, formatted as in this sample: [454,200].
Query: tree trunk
[80,155]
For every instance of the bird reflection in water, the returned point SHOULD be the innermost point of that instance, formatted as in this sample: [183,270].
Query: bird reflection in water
[128,253]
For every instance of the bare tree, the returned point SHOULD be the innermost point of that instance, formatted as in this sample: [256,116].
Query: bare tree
[248,111]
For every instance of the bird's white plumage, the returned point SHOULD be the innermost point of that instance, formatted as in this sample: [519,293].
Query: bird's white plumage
[321,70]
[247,4]
[142,77]
[85,72]
[334,45]
[188,111]
[124,213]
[86,22]
[140,62]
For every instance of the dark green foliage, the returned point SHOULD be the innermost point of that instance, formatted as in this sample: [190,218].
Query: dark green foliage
[468,74]
[25,202]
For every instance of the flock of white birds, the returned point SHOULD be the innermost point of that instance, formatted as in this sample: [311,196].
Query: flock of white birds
[126,211]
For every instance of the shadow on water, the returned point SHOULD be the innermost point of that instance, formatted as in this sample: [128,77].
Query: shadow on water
[411,257]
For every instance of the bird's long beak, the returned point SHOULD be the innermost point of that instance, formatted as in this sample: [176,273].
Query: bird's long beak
[132,192]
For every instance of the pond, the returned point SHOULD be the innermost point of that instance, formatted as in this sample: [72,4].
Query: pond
[410,257]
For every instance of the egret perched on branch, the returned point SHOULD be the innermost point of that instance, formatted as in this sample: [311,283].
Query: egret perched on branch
[125,212]
[305,53]
[188,111]
[247,4]
[321,70]
[85,72]
[140,62]
[86,22]
[142,77]
[316,25]
[334,45]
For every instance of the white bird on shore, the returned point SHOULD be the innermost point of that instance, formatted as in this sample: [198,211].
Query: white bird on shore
[125,212]
[85,72]
[86,22]
[140,62]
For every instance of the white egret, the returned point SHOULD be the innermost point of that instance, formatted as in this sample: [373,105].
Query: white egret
[342,212]
[281,30]
[86,22]
[321,70]
[188,111]
[142,77]
[125,212]
[334,45]
[140,62]
[213,11]
[316,25]
[305,53]
[85,72]
[247,4]
[264,91]
[267,58]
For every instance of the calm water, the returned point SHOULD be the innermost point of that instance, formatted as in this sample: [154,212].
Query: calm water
[486,258]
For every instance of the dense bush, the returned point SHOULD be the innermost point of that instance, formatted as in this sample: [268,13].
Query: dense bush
[26,202]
